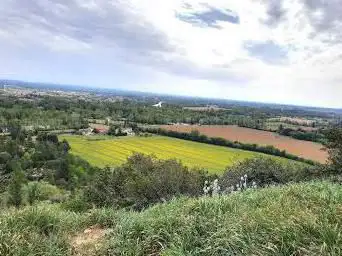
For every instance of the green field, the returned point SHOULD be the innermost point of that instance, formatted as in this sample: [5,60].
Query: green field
[106,151]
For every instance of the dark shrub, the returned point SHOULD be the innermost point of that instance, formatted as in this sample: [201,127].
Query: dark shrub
[76,203]
[5,157]
[334,147]
[267,171]
[142,181]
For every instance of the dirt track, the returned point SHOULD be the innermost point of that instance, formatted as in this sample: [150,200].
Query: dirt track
[305,149]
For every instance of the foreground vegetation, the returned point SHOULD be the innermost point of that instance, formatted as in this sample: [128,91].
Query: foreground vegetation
[302,219]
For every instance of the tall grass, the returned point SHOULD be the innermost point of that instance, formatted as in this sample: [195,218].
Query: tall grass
[37,230]
[301,219]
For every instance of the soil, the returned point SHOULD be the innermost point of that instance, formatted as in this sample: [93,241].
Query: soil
[88,241]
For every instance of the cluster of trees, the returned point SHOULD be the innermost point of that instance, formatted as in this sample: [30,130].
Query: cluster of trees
[334,147]
[116,130]
[299,134]
[33,115]
[142,181]
[60,113]
[25,158]
[196,136]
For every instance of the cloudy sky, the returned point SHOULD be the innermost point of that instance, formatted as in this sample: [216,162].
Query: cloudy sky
[285,51]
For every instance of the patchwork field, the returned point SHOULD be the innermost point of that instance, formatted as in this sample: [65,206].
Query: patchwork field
[103,151]
[305,149]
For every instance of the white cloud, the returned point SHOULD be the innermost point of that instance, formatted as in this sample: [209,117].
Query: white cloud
[149,33]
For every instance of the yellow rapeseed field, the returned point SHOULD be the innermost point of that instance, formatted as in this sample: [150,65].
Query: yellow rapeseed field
[104,151]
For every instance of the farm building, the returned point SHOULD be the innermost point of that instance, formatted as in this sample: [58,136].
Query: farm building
[129,131]
[101,130]
[87,131]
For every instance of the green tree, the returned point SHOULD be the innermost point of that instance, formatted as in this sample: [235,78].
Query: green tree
[280,128]
[112,130]
[334,147]
[32,192]
[15,188]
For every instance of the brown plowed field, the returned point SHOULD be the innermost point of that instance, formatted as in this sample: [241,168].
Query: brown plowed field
[305,149]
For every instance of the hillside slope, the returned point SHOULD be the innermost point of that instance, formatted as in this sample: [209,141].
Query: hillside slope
[302,219]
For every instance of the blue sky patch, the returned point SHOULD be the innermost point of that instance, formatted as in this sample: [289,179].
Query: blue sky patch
[268,52]
[210,17]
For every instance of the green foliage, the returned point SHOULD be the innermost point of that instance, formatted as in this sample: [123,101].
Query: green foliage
[15,188]
[32,193]
[267,171]
[299,134]
[334,146]
[5,157]
[48,113]
[142,181]
[116,130]
[41,191]
[48,137]
[46,158]
[76,203]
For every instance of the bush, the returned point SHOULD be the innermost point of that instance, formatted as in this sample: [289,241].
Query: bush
[3,200]
[267,171]
[41,191]
[334,146]
[5,157]
[143,181]
[76,203]
[50,137]
[15,193]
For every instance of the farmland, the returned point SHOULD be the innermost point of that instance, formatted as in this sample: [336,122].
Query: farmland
[102,151]
[305,149]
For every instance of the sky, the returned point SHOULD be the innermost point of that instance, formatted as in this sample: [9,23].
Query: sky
[279,51]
